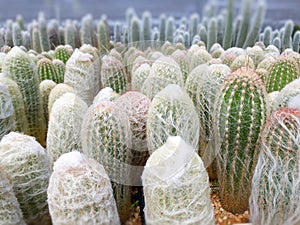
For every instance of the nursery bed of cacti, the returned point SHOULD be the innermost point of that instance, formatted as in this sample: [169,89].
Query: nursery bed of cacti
[191,120]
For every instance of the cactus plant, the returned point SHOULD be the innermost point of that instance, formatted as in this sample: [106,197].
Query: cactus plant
[27,166]
[113,74]
[53,33]
[164,71]
[46,71]
[45,88]
[181,58]
[44,39]
[10,212]
[112,151]
[275,193]
[18,104]
[139,76]
[22,70]
[105,94]
[281,72]
[176,186]
[172,113]
[241,110]
[60,68]
[64,125]
[79,192]
[7,117]
[86,31]
[103,37]
[63,52]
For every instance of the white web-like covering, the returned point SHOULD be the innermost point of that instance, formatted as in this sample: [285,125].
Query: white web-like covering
[64,125]
[105,94]
[80,192]
[275,195]
[7,119]
[176,186]
[27,166]
[10,212]
[172,113]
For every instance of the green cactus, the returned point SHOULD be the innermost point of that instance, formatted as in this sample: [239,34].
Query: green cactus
[7,117]
[79,192]
[296,41]
[10,212]
[282,72]
[117,32]
[35,40]
[172,113]
[53,33]
[70,34]
[63,53]
[45,88]
[212,33]
[227,40]
[164,71]
[86,31]
[147,26]
[27,166]
[170,29]
[162,27]
[64,125]
[103,37]
[80,74]
[180,56]
[287,35]
[275,193]
[241,111]
[16,35]
[18,104]
[193,26]
[176,186]
[60,68]
[112,151]
[113,74]
[135,34]
[44,39]
[46,71]
[22,70]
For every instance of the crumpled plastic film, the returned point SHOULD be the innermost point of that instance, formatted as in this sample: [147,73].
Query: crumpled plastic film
[80,192]
[176,186]
[7,118]
[64,125]
[10,212]
[172,113]
[27,166]
[275,194]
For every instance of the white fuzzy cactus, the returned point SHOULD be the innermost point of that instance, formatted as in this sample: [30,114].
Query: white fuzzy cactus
[176,186]
[27,166]
[64,125]
[10,212]
[80,192]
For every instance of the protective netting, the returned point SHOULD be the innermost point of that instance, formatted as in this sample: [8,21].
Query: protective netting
[10,212]
[18,103]
[203,85]
[163,71]
[176,186]
[291,90]
[241,110]
[105,94]
[27,166]
[7,117]
[172,113]
[275,192]
[80,74]
[106,137]
[64,125]
[80,192]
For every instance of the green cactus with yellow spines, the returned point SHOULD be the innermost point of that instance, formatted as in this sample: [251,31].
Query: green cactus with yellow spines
[241,110]
[275,193]
[22,70]
[59,67]
[63,52]
[46,71]
[282,72]
[18,103]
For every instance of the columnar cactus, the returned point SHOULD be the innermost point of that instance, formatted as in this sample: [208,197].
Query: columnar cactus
[46,87]
[164,71]
[181,58]
[43,35]
[275,193]
[86,31]
[80,73]
[80,192]
[103,37]
[172,113]
[64,125]
[282,72]
[18,104]
[22,70]
[139,76]
[176,186]
[7,117]
[113,74]
[10,212]
[60,68]
[46,71]
[105,137]
[27,166]
[63,52]
[242,109]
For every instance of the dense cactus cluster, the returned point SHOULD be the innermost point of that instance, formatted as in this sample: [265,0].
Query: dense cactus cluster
[97,105]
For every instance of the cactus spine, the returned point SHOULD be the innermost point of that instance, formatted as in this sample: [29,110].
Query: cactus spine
[275,193]
[27,166]
[242,109]
[22,70]
[74,195]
